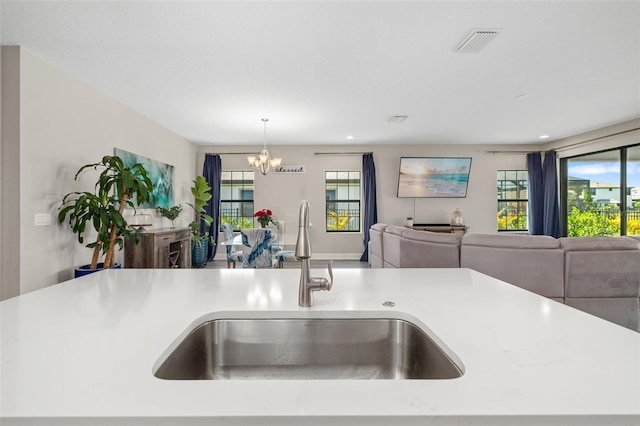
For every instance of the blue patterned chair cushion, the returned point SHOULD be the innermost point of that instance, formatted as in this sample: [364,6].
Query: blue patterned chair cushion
[256,245]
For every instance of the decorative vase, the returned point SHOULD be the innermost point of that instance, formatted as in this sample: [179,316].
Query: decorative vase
[199,253]
[457,219]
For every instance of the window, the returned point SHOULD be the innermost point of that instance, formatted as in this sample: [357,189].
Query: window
[600,195]
[343,201]
[513,200]
[236,199]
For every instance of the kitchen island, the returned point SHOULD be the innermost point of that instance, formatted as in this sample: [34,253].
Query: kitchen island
[83,352]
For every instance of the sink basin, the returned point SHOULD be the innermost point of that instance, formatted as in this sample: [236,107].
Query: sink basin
[303,349]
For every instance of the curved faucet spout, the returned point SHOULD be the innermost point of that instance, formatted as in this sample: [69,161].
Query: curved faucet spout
[308,284]
[303,245]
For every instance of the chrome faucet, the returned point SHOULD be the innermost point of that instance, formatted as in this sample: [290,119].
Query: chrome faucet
[308,284]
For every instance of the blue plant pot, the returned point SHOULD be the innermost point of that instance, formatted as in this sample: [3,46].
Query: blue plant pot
[83,270]
[199,251]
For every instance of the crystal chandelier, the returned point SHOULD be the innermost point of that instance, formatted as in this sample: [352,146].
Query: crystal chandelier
[263,161]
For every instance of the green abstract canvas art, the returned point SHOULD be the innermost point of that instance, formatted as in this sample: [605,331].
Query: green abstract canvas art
[161,175]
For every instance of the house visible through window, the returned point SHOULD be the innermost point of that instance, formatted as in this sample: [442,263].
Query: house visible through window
[343,201]
[513,200]
[601,195]
[236,199]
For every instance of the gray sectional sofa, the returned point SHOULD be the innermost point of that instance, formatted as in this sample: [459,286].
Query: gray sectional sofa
[598,275]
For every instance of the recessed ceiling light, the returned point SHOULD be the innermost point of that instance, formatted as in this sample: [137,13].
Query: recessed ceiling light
[349,137]
[544,136]
[522,96]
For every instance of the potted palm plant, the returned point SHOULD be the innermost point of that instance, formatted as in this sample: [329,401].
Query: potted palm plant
[117,186]
[200,240]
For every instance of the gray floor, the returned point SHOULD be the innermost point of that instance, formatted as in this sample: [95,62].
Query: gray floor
[315,263]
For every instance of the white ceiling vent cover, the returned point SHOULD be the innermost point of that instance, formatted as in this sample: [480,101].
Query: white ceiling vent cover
[476,40]
[397,118]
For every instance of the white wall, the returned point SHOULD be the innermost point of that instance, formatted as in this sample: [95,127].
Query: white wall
[65,124]
[9,170]
[282,193]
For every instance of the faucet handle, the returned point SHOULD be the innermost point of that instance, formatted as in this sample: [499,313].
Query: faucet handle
[329,266]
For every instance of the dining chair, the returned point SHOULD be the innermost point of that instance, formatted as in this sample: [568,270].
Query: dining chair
[256,245]
[232,256]
[277,236]
[277,248]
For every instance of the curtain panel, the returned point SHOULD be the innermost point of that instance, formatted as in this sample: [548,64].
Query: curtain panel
[544,211]
[212,172]
[536,194]
[369,200]
[551,214]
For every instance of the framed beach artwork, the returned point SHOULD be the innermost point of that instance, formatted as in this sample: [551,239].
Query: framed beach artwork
[161,176]
[433,177]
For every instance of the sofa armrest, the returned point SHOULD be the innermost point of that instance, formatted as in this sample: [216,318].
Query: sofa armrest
[376,253]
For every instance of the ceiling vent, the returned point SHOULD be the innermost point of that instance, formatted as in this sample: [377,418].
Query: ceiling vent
[476,40]
[398,118]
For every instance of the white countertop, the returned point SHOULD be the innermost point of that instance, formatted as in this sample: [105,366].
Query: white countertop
[83,352]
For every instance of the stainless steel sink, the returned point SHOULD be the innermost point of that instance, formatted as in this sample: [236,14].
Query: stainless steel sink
[303,349]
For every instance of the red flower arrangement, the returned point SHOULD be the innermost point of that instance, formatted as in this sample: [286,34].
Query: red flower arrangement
[264,217]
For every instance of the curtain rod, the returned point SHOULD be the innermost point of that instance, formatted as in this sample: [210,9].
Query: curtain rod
[566,147]
[230,153]
[573,145]
[517,152]
[315,153]
[507,152]
[342,153]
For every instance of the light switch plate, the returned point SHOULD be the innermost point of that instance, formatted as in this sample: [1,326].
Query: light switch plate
[42,219]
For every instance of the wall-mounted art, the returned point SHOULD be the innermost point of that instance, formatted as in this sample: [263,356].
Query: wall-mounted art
[161,175]
[290,170]
[437,177]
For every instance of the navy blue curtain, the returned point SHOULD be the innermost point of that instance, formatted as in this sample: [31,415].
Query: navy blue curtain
[536,194]
[551,208]
[212,172]
[369,202]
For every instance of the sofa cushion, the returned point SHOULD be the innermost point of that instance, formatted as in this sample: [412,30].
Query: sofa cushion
[598,243]
[534,263]
[432,237]
[601,267]
[610,273]
[419,251]
[511,241]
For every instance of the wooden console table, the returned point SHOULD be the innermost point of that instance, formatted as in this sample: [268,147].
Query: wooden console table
[449,229]
[159,248]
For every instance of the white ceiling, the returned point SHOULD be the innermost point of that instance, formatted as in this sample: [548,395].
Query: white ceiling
[323,70]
